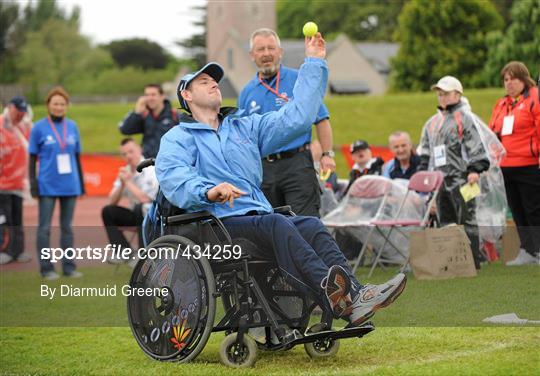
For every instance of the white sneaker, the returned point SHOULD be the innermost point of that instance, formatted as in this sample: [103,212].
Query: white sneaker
[51,276]
[371,298]
[523,258]
[5,258]
[358,305]
[24,257]
[74,274]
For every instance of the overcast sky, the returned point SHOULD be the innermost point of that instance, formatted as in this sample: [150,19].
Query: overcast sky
[162,21]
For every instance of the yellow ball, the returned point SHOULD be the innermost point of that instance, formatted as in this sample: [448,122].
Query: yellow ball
[310,29]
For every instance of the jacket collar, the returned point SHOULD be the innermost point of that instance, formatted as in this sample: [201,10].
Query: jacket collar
[452,107]
[525,94]
[167,107]
[186,119]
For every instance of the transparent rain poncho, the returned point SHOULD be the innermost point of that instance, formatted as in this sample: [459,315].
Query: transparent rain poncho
[491,205]
[377,198]
[468,141]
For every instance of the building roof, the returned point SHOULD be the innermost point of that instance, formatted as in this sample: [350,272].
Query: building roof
[377,53]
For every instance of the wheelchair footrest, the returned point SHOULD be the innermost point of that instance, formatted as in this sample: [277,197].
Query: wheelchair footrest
[358,331]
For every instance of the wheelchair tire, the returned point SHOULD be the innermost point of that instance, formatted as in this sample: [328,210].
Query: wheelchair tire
[175,326]
[236,355]
[322,348]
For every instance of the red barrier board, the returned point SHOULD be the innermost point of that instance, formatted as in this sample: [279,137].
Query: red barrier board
[100,172]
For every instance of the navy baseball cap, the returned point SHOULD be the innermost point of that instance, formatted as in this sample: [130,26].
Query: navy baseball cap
[359,145]
[212,69]
[19,103]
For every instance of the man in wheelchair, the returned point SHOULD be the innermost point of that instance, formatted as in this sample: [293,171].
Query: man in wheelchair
[212,161]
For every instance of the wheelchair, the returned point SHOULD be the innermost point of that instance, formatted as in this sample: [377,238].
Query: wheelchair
[260,310]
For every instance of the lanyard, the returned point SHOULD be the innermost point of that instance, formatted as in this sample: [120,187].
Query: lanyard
[271,89]
[61,142]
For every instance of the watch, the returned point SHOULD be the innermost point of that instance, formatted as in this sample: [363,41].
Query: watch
[330,154]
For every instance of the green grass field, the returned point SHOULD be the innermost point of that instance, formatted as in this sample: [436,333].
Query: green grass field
[435,328]
[352,117]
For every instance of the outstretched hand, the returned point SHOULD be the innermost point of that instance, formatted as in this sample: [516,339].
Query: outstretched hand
[316,46]
[224,192]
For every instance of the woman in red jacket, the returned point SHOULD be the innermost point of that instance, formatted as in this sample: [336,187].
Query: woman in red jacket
[516,121]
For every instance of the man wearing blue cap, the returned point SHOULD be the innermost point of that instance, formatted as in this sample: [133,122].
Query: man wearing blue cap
[212,161]
[14,132]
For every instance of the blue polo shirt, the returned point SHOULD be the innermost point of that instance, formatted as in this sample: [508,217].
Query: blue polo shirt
[257,99]
[44,143]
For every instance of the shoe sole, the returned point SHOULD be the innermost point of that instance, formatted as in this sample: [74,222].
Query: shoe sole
[391,298]
[338,287]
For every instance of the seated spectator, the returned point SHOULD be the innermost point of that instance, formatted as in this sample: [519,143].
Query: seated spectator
[405,162]
[139,188]
[364,162]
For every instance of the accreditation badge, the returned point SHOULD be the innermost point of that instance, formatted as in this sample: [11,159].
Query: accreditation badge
[440,155]
[508,125]
[63,163]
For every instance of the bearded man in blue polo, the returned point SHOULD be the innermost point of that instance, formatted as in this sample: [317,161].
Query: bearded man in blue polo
[288,174]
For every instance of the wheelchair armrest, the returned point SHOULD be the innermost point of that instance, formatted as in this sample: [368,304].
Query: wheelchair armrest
[284,210]
[189,217]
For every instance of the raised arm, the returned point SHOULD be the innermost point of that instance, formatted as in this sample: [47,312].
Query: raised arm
[275,129]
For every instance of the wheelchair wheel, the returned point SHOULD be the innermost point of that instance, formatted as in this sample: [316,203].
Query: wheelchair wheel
[175,324]
[321,348]
[238,355]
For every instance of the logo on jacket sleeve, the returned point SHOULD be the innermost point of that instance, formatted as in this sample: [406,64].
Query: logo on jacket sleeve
[253,107]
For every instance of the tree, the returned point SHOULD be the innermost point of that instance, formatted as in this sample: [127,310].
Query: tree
[360,20]
[504,7]
[292,15]
[375,20]
[521,41]
[14,27]
[139,53]
[439,38]
[58,54]
[9,15]
[196,44]
[36,16]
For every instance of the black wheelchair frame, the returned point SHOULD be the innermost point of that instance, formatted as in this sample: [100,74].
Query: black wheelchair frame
[254,296]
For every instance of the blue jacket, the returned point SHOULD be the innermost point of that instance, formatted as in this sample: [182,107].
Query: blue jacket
[193,157]
[255,98]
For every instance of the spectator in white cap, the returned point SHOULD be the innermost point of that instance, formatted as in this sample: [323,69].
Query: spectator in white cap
[450,143]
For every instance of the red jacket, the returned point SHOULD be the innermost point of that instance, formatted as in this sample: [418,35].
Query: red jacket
[523,145]
[13,157]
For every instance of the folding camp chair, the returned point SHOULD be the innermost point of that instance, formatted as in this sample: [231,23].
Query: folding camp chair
[424,182]
[375,189]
